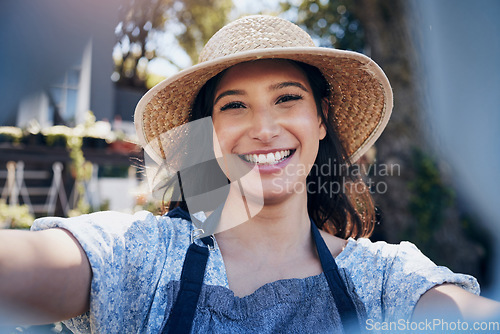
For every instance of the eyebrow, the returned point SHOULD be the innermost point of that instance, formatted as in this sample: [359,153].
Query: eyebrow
[288,84]
[229,92]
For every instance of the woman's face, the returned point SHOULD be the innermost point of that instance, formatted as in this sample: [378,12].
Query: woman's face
[265,117]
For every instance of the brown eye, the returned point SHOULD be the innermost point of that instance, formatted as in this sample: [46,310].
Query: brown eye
[232,105]
[288,97]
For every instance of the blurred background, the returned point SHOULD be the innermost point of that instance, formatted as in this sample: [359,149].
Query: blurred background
[71,73]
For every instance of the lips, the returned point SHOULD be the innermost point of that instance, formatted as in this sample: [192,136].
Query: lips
[270,158]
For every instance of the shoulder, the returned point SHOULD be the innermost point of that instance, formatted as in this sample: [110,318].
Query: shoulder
[110,219]
[363,249]
[397,265]
[112,222]
[111,235]
[390,278]
[364,257]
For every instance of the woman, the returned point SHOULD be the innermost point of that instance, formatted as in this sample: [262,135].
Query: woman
[267,109]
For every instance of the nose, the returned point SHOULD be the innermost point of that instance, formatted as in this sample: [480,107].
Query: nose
[264,125]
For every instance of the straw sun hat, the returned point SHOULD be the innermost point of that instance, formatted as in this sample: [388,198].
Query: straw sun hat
[360,101]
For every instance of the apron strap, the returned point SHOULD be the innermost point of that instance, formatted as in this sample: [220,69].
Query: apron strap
[182,314]
[344,303]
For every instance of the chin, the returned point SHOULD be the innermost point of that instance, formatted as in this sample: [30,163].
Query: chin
[279,193]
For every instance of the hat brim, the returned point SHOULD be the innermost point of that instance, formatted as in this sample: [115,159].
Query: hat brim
[360,103]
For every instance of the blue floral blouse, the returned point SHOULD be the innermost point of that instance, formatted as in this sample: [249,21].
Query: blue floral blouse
[137,259]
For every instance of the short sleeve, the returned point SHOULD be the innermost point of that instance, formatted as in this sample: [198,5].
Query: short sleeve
[409,275]
[390,279]
[127,254]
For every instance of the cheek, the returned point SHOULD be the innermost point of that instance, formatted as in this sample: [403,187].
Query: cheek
[228,131]
[223,137]
[307,126]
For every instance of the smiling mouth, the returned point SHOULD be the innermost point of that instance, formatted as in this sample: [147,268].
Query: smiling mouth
[271,158]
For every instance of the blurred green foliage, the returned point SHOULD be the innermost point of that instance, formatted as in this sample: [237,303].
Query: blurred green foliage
[15,216]
[330,23]
[82,171]
[430,198]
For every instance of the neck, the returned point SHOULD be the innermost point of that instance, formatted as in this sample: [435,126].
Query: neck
[277,229]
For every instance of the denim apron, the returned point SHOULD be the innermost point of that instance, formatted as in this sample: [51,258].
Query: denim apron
[180,319]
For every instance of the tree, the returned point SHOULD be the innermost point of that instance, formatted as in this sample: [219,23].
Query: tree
[419,205]
[192,23]
[330,23]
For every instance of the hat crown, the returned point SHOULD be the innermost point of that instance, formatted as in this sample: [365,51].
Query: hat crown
[252,33]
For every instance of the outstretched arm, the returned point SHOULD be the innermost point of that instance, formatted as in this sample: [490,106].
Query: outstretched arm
[44,277]
[455,303]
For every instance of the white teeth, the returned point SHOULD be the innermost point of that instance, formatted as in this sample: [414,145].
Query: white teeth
[269,158]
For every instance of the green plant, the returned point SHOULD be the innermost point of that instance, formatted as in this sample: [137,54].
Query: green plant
[57,135]
[15,216]
[82,171]
[10,134]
